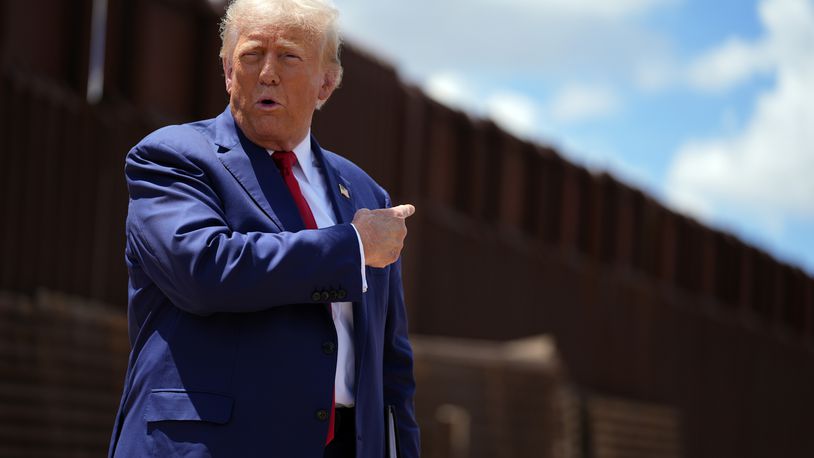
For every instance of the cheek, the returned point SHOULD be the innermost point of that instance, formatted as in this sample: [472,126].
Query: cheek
[308,91]
[241,81]
[243,95]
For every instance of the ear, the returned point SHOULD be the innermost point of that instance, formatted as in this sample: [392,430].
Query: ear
[329,83]
[227,74]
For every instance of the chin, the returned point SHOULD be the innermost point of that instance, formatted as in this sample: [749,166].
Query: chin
[275,140]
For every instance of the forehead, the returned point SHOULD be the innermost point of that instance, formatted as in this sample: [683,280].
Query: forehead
[280,35]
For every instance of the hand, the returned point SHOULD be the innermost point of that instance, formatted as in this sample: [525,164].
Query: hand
[382,232]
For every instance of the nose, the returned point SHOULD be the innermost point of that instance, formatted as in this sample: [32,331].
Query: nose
[268,72]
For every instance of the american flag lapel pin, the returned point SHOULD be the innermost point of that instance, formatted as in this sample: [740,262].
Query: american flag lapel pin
[344,191]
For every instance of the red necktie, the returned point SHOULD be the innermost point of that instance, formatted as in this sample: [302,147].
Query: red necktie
[284,161]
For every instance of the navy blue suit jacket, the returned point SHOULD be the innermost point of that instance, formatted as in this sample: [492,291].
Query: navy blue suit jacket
[230,332]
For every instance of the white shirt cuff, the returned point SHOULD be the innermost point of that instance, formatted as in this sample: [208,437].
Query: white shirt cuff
[362,257]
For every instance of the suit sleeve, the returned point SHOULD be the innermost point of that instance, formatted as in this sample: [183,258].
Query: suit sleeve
[399,383]
[178,233]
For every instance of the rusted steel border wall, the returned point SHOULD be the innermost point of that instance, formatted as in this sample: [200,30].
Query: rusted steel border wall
[59,381]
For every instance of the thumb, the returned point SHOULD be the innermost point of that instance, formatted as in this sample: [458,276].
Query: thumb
[403,211]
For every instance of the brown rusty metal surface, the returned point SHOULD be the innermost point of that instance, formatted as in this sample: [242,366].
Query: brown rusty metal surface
[62,363]
[512,399]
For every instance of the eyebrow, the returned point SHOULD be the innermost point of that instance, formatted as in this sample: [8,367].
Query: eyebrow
[253,41]
[250,43]
[290,45]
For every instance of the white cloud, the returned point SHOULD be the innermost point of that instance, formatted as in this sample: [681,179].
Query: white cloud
[789,35]
[730,64]
[577,102]
[514,112]
[656,73]
[497,39]
[518,113]
[450,89]
[763,171]
[590,8]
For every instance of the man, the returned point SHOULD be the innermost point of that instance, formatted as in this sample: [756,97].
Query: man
[265,309]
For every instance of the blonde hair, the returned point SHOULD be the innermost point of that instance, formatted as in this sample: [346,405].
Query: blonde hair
[316,17]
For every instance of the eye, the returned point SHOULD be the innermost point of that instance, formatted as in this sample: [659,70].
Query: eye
[291,56]
[250,55]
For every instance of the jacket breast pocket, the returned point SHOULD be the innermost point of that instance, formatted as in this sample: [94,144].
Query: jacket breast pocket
[187,423]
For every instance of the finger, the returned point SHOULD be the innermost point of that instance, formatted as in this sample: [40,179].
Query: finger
[403,211]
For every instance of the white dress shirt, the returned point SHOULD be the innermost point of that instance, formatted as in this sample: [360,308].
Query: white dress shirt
[314,189]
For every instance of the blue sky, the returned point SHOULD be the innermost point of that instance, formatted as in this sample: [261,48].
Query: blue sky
[707,105]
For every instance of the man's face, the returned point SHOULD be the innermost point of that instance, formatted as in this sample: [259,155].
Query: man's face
[275,79]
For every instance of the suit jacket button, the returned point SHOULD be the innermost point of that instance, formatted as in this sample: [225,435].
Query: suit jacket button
[325,296]
[328,348]
[341,294]
[322,415]
[316,296]
[334,296]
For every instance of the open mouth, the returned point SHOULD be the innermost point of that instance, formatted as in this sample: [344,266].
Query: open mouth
[267,103]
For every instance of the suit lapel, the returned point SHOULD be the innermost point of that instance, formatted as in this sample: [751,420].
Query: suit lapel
[340,190]
[256,172]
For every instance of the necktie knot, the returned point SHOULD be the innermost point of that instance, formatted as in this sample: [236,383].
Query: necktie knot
[284,160]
